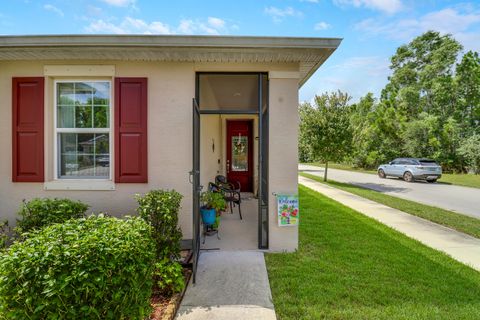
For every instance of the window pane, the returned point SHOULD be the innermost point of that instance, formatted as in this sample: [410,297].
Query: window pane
[101,143]
[68,165]
[84,155]
[83,105]
[239,153]
[66,117]
[65,94]
[101,117]
[101,93]
[83,93]
[83,117]
[102,166]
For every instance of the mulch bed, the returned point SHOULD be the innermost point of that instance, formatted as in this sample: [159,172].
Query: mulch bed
[165,308]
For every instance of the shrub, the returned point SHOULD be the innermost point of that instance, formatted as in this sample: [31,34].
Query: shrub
[169,276]
[4,230]
[89,268]
[40,212]
[470,151]
[160,208]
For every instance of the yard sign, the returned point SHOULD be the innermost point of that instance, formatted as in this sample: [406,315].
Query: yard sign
[287,210]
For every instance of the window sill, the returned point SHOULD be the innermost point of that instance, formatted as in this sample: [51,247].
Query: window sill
[80,185]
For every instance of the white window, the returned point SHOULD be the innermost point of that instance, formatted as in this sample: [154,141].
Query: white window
[83,130]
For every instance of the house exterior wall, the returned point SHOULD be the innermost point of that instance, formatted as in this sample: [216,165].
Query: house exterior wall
[171,87]
[283,157]
[210,133]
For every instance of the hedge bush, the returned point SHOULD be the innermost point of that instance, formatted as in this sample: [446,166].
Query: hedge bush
[40,212]
[168,277]
[160,208]
[4,236]
[88,268]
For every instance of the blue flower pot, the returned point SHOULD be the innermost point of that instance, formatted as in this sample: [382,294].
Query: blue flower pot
[208,216]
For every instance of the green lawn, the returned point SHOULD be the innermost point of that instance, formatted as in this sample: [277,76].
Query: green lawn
[466,180]
[444,217]
[349,266]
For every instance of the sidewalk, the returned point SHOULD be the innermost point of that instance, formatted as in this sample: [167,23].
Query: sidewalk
[459,246]
[230,285]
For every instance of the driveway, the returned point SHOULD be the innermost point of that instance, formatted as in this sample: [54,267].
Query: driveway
[462,200]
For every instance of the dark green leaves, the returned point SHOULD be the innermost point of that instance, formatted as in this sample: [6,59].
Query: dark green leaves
[38,213]
[324,128]
[89,268]
[160,209]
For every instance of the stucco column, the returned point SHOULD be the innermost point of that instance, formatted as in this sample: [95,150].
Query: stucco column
[283,153]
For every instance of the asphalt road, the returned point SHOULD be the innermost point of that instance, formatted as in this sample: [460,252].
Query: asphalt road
[462,200]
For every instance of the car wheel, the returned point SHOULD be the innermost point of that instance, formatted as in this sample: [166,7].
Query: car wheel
[408,176]
[432,181]
[381,174]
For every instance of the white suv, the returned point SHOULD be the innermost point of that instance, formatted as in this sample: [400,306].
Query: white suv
[411,169]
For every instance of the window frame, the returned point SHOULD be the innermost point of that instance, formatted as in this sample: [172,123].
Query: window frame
[56,131]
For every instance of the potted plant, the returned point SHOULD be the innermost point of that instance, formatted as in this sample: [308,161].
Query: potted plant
[213,204]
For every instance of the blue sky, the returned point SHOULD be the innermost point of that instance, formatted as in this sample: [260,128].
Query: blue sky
[371,29]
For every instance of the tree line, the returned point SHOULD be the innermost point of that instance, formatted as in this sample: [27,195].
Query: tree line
[429,108]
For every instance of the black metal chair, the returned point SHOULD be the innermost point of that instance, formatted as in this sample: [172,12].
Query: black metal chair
[231,192]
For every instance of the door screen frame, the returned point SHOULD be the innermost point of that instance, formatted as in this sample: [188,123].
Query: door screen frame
[263,116]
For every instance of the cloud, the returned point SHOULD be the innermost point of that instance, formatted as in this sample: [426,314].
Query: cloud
[322,26]
[54,9]
[278,14]
[101,26]
[93,11]
[447,20]
[216,22]
[371,65]
[386,6]
[120,3]
[129,25]
[356,75]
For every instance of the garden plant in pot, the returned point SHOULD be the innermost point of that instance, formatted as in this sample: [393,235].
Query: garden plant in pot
[213,204]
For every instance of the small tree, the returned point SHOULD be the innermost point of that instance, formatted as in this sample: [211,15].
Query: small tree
[470,151]
[325,127]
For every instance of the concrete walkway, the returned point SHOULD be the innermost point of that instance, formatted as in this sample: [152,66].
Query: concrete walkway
[230,285]
[459,246]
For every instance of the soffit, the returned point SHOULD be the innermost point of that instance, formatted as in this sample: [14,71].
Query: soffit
[309,53]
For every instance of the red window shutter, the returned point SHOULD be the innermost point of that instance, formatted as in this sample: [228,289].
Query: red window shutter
[131,130]
[27,129]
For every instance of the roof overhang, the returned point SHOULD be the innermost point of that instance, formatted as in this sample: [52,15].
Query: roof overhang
[309,53]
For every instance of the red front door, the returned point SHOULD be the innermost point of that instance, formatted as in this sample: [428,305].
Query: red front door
[240,153]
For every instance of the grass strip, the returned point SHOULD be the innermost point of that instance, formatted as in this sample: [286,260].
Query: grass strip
[459,222]
[349,266]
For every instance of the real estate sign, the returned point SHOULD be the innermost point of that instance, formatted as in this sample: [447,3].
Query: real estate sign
[287,210]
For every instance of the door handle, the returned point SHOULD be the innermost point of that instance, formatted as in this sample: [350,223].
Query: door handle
[228,166]
[190,175]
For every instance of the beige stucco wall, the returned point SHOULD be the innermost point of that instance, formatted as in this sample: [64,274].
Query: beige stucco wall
[211,134]
[283,157]
[171,87]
